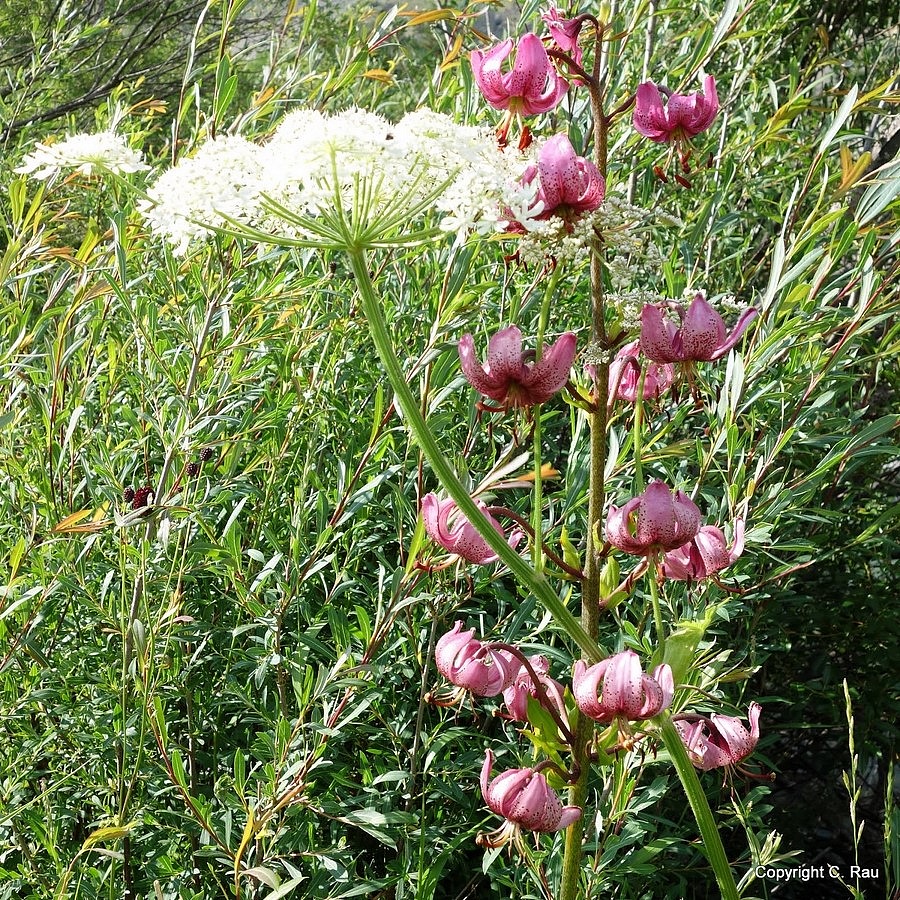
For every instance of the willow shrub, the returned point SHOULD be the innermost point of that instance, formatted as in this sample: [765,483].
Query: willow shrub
[228,691]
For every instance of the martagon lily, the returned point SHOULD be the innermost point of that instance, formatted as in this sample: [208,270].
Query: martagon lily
[525,800]
[532,87]
[701,338]
[467,663]
[447,526]
[567,183]
[617,688]
[718,740]
[680,117]
[704,555]
[654,522]
[509,377]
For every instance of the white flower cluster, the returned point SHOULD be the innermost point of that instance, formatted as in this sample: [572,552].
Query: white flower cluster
[223,178]
[85,153]
[355,160]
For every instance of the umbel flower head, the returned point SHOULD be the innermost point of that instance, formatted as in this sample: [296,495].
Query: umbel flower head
[655,521]
[701,338]
[533,86]
[525,800]
[719,740]
[567,183]
[680,117]
[464,661]
[104,151]
[617,688]
[447,526]
[508,377]
[703,555]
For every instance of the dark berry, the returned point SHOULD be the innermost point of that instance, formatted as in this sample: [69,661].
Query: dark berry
[193,468]
[128,494]
[206,454]
[142,497]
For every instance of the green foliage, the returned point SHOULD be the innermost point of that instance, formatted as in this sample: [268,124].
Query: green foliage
[228,693]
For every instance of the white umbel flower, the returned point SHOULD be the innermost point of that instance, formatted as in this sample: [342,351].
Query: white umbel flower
[221,179]
[85,153]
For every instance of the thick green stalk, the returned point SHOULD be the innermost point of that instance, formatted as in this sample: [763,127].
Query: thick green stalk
[712,842]
[421,433]
[657,609]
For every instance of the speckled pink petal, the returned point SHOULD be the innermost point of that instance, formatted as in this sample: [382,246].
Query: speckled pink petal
[586,689]
[622,685]
[619,528]
[746,317]
[687,519]
[484,382]
[656,522]
[550,374]
[664,677]
[660,340]
[649,117]
[707,107]
[733,737]
[702,332]
[486,775]
[504,355]
[486,69]
[559,173]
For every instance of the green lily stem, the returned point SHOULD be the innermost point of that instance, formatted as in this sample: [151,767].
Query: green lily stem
[638,436]
[537,512]
[657,610]
[687,774]
[421,433]
[599,421]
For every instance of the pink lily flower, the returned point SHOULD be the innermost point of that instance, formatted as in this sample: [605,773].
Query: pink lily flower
[618,688]
[567,183]
[625,375]
[653,521]
[682,116]
[522,687]
[447,526]
[719,740]
[525,800]
[704,554]
[464,661]
[565,33]
[506,376]
[701,338]
[532,87]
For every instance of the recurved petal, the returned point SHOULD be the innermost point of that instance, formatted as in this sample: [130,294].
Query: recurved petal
[486,67]
[707,107]
[536,806]
[746,317]
[649,117]
[453,649]
[558,168]
[664,677]
[586,690]
[486,775]
[734,737]
[551,373]
[567,816]
[619,528]
[483,381]
[687,518]
[531,68]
